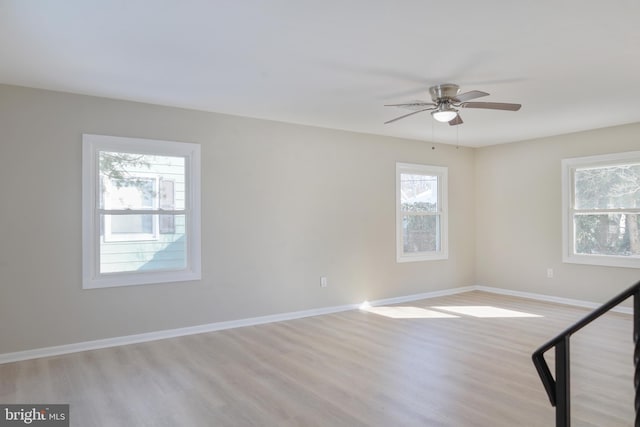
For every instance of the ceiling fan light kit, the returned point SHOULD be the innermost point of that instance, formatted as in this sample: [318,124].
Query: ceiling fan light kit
[444,116]
[447,99]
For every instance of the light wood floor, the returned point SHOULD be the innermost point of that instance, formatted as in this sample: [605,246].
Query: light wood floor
[353,368]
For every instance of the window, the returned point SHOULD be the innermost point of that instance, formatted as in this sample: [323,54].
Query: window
[141,211]
[601,210]
[421,212]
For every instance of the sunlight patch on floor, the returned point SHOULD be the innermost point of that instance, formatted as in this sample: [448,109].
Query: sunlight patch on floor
[484,311]
[443,312]
[407,312]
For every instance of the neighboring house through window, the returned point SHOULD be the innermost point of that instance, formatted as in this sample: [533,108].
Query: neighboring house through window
[421,212]
[601,210]
[141,211]
[132,192]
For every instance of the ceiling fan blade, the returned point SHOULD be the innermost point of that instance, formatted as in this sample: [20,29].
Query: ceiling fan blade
[413,105]
[456,121]
[492,105]
[407,115]
[467,96]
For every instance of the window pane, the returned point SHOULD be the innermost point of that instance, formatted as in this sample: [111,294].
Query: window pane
[128,193]
[420,233]
[608,187]
[612,234]
[418,193]
[141,181]
[166,251]
[124,225]
[167,202]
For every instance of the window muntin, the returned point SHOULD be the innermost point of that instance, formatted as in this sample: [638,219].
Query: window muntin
[421,206]
[141,211]
[601,199]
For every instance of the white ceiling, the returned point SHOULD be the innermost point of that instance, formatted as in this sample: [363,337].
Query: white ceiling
[573,65]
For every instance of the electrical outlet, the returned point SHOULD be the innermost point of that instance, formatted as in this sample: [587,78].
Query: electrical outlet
[323,282]
[549,273]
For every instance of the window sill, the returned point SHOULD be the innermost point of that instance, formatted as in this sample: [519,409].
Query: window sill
[431,256]
[113,280]
[603,260]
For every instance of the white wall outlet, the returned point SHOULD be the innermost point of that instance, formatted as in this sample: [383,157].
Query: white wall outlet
[323,282]
[549,273]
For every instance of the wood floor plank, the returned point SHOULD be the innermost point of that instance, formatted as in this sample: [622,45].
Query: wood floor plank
[441,362]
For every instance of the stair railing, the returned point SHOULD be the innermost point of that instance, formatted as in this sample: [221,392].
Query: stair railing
[558,390]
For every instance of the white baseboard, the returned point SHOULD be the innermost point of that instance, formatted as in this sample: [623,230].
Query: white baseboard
[549,298]
[218,326]
[168,333]
[426,295]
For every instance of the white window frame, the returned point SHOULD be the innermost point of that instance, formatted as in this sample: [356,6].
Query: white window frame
[568,196]
[91,146]
[442,173]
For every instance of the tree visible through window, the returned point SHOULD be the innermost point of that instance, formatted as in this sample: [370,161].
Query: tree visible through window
[420,218]
[603,209]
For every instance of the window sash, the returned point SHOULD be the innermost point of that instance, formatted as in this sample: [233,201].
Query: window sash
[436,237]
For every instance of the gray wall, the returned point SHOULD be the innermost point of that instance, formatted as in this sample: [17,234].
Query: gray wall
[282,205]
[519,216]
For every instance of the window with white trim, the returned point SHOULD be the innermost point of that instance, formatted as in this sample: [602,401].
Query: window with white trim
[141,211]
[421,212]
[601,210]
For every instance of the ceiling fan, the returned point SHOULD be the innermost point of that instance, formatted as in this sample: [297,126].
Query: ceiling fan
[447,100]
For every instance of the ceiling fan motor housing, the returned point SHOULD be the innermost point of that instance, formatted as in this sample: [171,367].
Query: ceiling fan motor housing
[444,91]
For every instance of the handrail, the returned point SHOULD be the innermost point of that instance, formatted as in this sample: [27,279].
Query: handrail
[558,389]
